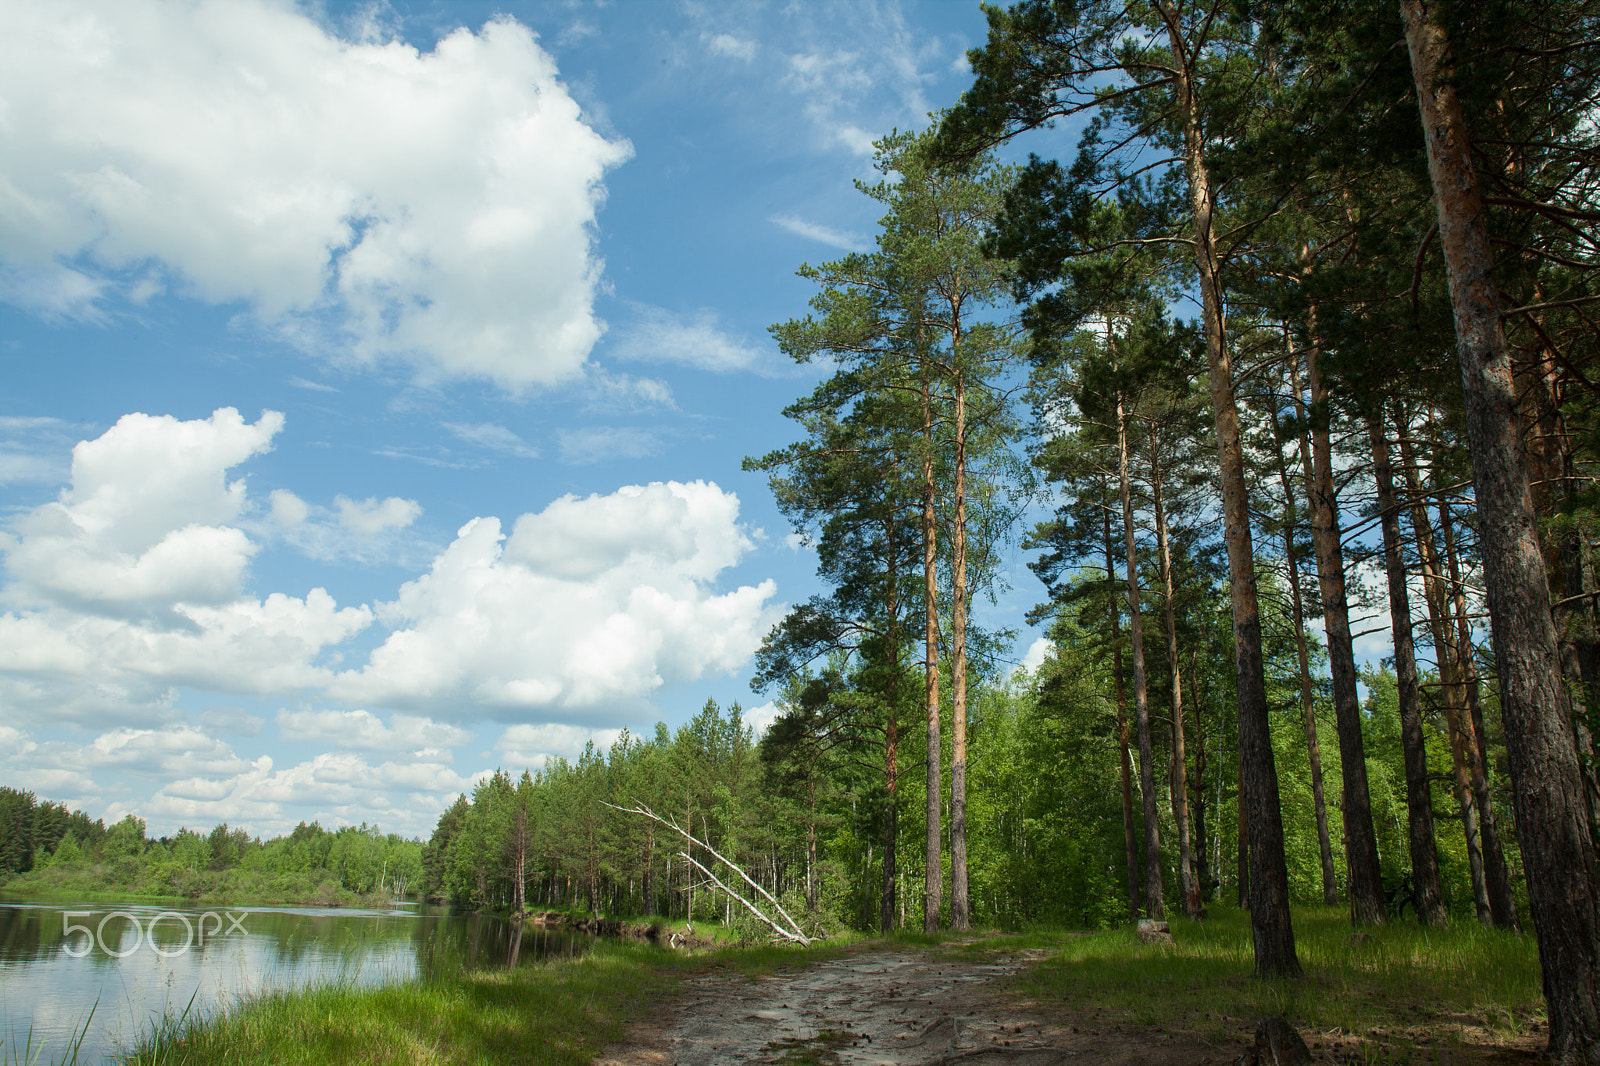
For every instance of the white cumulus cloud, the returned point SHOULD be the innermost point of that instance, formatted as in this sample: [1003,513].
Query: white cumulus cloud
[529,746]
[587,606]
[143,524]
[130,590]
[1038,651]
[760,719]
[131,581]
[287,509]
[361,531]
[365,731]
[434,208]
[372,515]
[336,788]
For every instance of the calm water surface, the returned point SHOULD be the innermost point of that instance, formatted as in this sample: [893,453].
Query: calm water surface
[130,969]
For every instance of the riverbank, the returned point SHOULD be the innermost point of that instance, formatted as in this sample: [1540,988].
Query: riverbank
[1396,993]
[103,971]
[559,1013]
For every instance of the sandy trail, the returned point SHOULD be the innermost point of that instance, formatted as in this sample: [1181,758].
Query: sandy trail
[883,1008]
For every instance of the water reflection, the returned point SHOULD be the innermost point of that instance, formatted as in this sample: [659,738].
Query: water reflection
[139,961]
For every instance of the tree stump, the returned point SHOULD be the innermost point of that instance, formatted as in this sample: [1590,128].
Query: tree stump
[1152,931]
[1277,1044]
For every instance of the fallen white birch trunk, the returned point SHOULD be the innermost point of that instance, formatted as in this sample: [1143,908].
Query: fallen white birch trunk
[793,933]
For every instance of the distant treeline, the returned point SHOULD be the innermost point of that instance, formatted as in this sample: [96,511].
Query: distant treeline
[31,829]
[47,849]
[805,812]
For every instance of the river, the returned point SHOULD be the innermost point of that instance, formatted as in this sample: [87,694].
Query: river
[106,971]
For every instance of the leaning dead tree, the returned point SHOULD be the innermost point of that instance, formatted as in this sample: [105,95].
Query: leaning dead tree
[793,933]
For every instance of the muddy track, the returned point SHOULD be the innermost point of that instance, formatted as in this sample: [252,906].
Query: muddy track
[883,1007]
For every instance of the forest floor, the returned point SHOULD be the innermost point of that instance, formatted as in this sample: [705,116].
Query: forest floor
[979,1002]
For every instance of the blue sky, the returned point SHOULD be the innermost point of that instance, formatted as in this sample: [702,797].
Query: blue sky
[377,379]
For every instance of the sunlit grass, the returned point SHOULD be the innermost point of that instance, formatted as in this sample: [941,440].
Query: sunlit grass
[1399,983]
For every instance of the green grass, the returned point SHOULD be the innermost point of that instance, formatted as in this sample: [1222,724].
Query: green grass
[1400,995]
[1404,987]
[557,1013]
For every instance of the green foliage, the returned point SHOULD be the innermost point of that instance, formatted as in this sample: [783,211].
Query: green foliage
[67,856]
[30,830]
[554,839]
[309,865]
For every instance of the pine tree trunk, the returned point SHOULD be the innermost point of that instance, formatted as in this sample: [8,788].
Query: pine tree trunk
[1180,771]
[1202,855]
[1243,873]
[891,829]
[1547,781]
[1419,796]
[1447,656]
[960,917]
[649,886]
[1271,928]
[1129,836]
[688,876]
[934,874]
[1497,878]
[1365,881]
[887,912]
[1552,479]
[1291,557]
[1153,904]
[810,847]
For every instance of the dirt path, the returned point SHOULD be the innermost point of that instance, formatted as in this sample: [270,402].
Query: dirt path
[884,1008]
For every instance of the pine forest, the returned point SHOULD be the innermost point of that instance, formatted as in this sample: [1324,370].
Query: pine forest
[1282,375]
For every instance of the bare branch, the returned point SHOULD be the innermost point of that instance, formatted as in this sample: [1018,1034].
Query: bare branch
[641,809]
[799,938]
